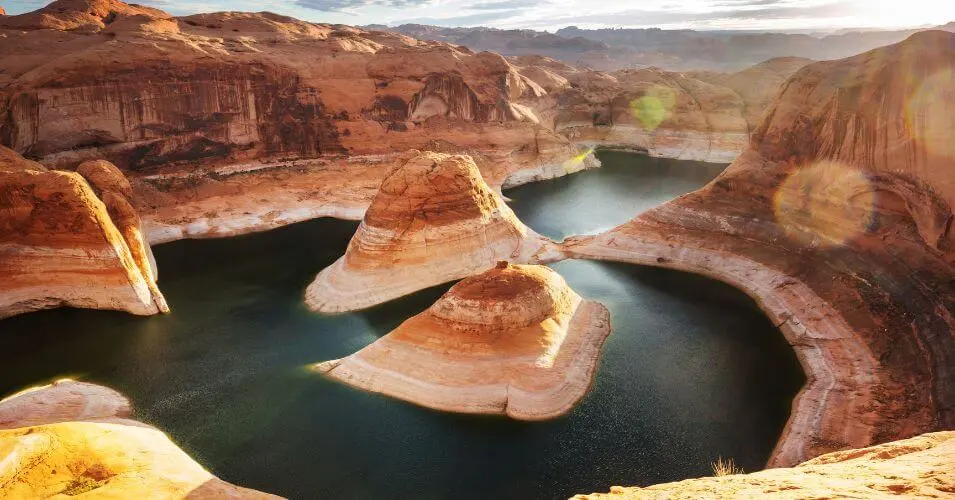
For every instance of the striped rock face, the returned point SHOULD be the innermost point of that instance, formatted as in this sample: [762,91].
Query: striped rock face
[433,220]
[515,340]
[71,239]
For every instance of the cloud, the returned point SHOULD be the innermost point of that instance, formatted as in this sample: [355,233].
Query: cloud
[760,11]
[344,5]
[511,5]
[480,19]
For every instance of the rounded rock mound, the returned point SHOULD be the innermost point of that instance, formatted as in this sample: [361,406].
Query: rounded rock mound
[515,340]
[433,220]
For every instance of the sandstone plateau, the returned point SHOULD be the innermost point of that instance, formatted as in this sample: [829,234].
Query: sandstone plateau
[919,467]
[72,239]
[837,220]
[515,340]
[433,220]
[73,439]
[227,123]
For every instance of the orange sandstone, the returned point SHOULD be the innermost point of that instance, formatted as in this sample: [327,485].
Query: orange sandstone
[433,220]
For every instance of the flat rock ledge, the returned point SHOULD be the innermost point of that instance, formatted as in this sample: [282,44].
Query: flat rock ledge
[75,439]
[919,467]
[515,341]
[433,220]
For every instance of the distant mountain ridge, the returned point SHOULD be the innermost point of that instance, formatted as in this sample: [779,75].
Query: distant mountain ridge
[675,50]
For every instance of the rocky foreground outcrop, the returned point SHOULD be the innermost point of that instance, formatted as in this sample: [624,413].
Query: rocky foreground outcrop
[72,239]
[433,220]
[514,340]
[920,467]
[837,220]
[76,439]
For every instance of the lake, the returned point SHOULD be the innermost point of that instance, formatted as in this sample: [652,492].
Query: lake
[692,371]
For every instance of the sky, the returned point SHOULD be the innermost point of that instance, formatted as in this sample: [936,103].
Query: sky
[550,15]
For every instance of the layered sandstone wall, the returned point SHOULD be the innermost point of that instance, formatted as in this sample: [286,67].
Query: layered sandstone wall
[70,240]
[74,438]
[848,255]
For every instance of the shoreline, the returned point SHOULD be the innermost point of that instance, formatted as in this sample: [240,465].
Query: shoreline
[815,331]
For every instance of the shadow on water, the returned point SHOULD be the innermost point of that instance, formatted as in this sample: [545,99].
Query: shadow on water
[692,371]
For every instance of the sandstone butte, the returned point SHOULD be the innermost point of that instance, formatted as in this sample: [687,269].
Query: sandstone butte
[72,238]
[919,467]
[433,220]
[515,340]
[227,123]
[837,221]
[74,439]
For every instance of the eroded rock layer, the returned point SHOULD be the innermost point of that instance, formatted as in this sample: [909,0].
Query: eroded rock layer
[72,239]
[212,113]
[233,122]
[920,467]
[433,220]
[514,340]
[73,438]
[846,248]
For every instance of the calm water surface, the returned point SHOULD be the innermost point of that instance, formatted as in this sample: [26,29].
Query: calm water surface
[692,371]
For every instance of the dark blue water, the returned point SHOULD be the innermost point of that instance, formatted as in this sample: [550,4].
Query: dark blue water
[692,371]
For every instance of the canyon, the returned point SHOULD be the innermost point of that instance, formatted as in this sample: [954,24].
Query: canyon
[238,108]
[76,439]
[513,340]
[124,127]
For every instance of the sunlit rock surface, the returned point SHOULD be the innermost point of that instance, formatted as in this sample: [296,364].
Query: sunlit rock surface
[73,439]
[837,220]
[920,467]
[71,239]
[515,340]
[433,220]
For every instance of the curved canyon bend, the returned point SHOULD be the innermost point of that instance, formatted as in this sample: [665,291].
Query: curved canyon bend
[692,371]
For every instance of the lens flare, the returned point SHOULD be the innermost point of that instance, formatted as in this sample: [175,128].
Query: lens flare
[827,203]
[930,115]
[654,107]
[572,164]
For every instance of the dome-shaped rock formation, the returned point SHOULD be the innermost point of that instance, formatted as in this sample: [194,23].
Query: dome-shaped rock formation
[514,340]
[433,220]
[73,239]
[71,438]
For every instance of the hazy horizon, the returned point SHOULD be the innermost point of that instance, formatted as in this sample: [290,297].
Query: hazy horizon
[550,15]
